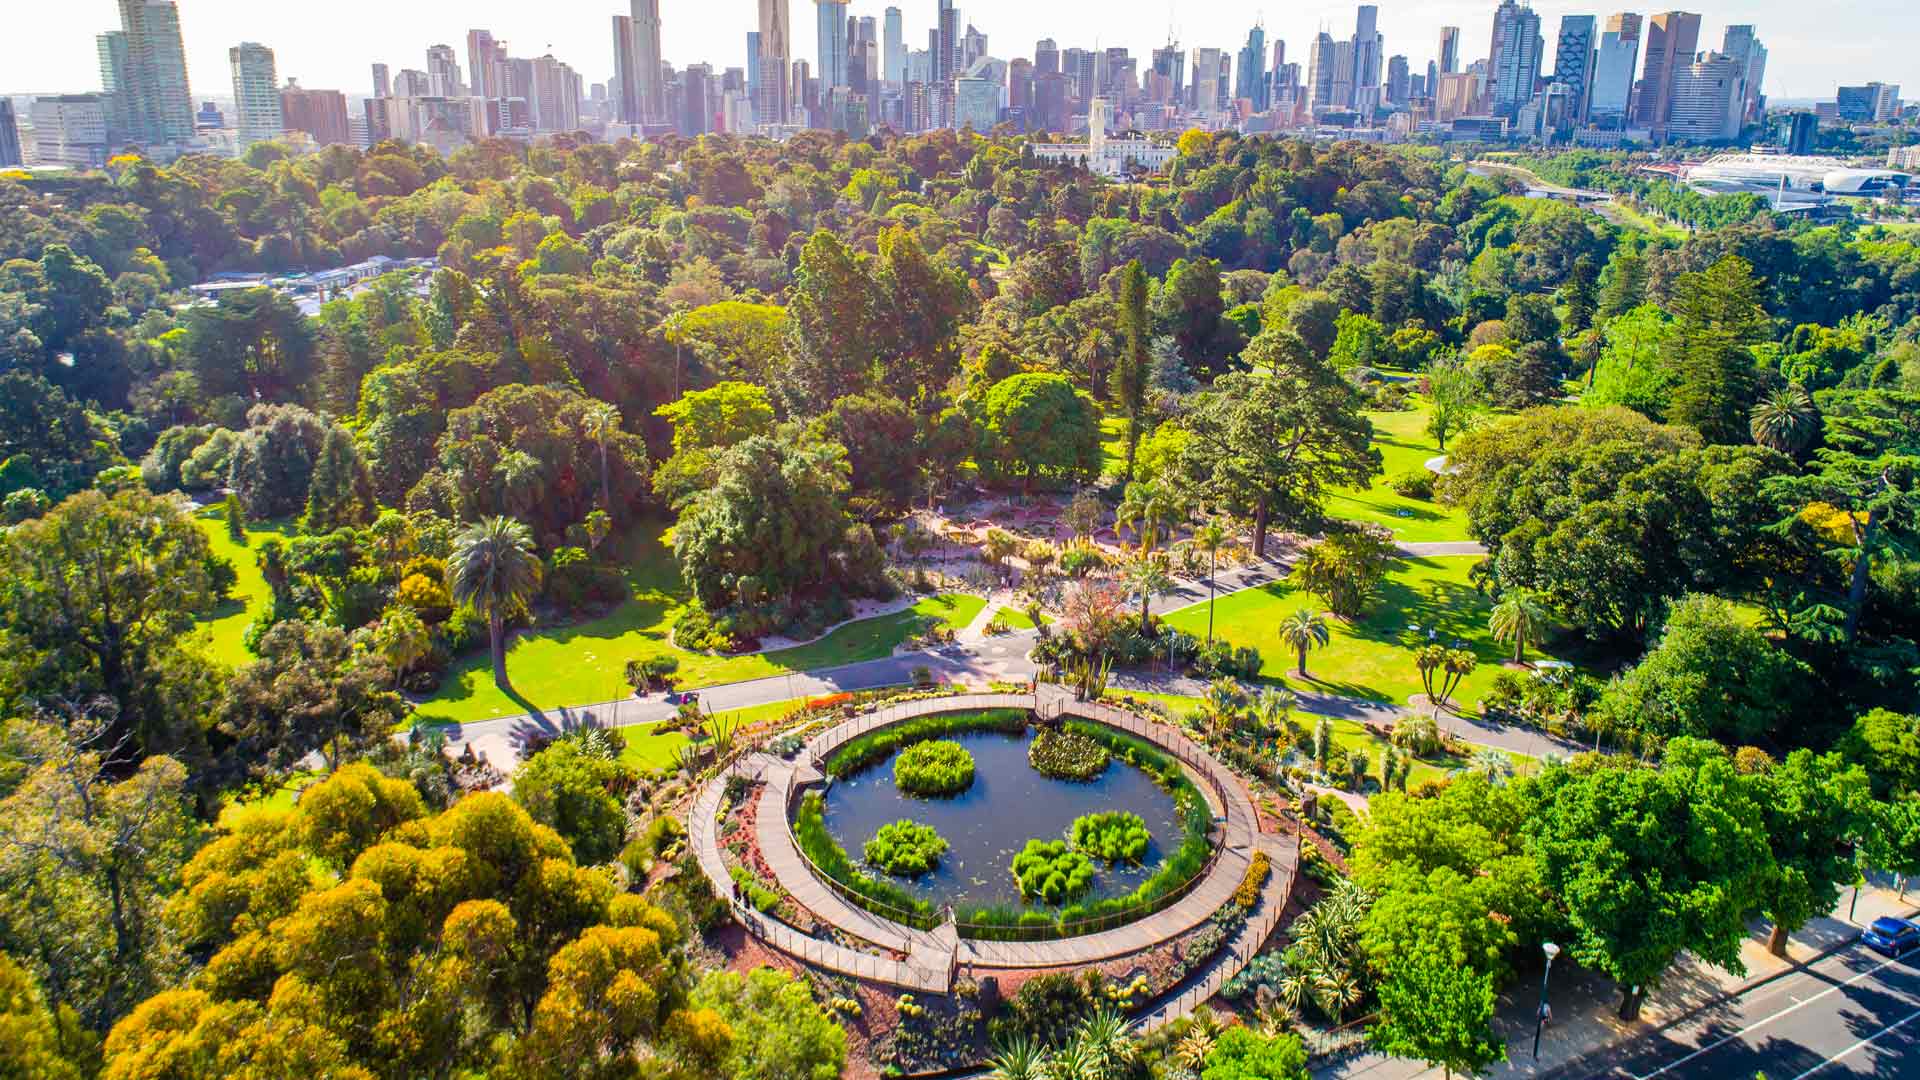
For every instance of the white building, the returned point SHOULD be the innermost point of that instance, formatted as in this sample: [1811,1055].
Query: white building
[1104,156]
[257,114]
[70,129]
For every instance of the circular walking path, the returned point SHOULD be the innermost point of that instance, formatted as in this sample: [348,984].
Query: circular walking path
[929,960]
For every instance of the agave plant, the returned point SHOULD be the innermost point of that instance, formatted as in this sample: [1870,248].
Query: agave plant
[1020,1058]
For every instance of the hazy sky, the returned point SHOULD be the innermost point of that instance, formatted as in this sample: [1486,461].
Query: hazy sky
[49,47]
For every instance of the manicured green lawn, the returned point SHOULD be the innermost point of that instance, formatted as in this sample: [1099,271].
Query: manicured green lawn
[585,663]
[1404,444]
[1372,658]
[1113,445]
[223,631]
[652,746]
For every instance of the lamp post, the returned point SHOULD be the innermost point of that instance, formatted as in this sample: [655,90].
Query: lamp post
[1540,1016]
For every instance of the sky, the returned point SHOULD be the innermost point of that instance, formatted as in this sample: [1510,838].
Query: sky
[49,47]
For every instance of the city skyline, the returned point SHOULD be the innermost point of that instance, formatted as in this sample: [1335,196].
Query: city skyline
[336,54]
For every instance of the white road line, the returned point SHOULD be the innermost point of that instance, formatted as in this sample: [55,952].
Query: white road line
[1890,1027]
[1796,1006]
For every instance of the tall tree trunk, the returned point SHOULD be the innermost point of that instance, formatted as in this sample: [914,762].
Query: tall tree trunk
[1260,529]
[1301,652]
[497,630]
[1857,588]
[1777,940]
[1133,442]
[1630,999]
[1519,647]
[1213,567]
[606,487]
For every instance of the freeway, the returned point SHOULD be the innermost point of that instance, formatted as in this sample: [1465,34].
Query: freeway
[1853,1014]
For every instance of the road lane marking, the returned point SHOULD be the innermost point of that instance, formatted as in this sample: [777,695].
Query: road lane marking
[1858,1045]
[1796,1006]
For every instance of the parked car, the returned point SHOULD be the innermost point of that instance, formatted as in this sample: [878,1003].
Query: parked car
[682,697]
[1891,936]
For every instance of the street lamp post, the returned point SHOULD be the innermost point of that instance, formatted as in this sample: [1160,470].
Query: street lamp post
[1540,1017]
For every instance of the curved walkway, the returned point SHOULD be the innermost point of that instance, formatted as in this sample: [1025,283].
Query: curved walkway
[930,959]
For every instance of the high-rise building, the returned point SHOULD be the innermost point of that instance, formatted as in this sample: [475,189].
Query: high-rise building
[1672,38]
[1708,99]
[1170,63]
[112,47]
[1797,132]
[1208,70]
[893,50]
[10,157]
[1250,83]
[1321,61]
[322,114]
[382,82]
[1614,63]
[1744,46]
[412,83]
[976,103]
[832,18]
[973,46]
[1875,102]
[1046,57]
[70,129]
[157,101]
[443,73]
[256,94]
[1367,48]
[1513,58]
[1344,73]
[1399,81]
[485,58]
[1573,63]
[626,81]
[1449,50]
[1461,93]
[554,99]
[946,56]
[651,89]
[772,93]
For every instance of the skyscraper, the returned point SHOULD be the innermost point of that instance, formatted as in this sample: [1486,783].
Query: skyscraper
[256,94]
[322,114]
[1744,46]
[1573,63]
[651,90]
[1321,59]
[1708,97]
[893,54]
[832,18]
[1046,57]
[1671,40]
[1613,67]
[1250,83]
[1399,80]
[157,100]
[382,82]
[443,72]
[772,94]
[1449,50]
[483,64]
[1367,47]
[112,47]
[9,136]
[626,81]
[1513,58]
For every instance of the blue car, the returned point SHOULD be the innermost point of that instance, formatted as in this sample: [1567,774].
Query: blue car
[1891,936]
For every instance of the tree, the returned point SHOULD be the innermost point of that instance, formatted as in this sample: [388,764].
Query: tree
[779,1033]
[1434,1011]
[1519,618]
[402,639]
[1039,426]
[1651,862]
[1719,319]
[1130,373]
[1887,744]
[1816,810]
[1151,509]
[705,423]
[1441,670]
[1191,306]
[1579,294]
[494,571]
[1242,1054]
[1275,446]
[1146,576]
[566,787]
[1345,569]
[98,597]
[1303,630]
[37,1041]
[236,519]
[341,491]
[919,306]
[309,692]
[1455,401]
[1786,420]
[1711,674]
[1626,284]
[1211,537]
[601,422]
[87,862]
[832,342]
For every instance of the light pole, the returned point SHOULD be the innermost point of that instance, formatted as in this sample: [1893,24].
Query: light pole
[1540,1017]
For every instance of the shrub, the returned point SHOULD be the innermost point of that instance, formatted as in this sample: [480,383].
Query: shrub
[1078,562]
[1248,894]
[1413,484]
[906,848]
[1051,872]
[810,833]
[1112,837]
[933,769]
[858,753]
[1045,1011]
[758,896]
[1417,734]
[1065,755]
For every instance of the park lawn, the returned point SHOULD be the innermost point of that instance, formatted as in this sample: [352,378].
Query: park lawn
[237,809]
[1404,445]
[223,633]
[585,663]
[652,746]
[1373,657]
[1113,445]
[1348,736]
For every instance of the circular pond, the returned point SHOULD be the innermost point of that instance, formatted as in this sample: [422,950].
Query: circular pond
[1008,804]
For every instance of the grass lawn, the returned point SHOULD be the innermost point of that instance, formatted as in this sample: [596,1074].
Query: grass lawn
[1351,735]
[652,746]
[221,633]
[1404,444]
[238,809]
[1372,658]
[1113,445]
[584,663]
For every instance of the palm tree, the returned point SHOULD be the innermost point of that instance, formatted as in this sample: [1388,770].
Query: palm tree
[493,570]
[1519,618]
[518,474]
[601,423]
[1147,577]
[402,639]
[1210,537]
[1786,421]
[1222,706]
[1301,631]
[1150,509]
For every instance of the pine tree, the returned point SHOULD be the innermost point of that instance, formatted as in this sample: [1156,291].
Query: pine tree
[236,519]
[1130,374]
[1720,318]
[341,492]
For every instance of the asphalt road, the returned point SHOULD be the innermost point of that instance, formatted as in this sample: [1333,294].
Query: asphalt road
[1854,1014]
